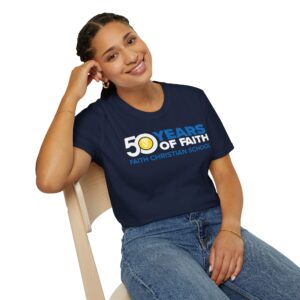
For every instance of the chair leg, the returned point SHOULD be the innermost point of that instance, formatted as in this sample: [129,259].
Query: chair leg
[88,269]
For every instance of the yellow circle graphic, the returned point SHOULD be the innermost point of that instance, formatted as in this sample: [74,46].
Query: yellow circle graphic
[145,143]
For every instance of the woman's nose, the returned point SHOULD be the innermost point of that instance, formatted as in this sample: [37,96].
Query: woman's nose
[131,57]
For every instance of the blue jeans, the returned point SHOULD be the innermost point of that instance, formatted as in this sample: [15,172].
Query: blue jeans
[168,259]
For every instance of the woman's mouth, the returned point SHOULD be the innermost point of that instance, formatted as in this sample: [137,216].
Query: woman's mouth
[140,69]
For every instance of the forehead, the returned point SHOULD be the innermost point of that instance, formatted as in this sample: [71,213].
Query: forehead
[109,35]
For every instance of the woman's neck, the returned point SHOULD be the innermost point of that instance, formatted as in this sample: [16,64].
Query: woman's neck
[147,96]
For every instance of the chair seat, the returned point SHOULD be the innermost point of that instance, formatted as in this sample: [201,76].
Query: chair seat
[120,293]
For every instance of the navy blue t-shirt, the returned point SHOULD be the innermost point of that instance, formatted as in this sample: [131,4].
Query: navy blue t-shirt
[156,163]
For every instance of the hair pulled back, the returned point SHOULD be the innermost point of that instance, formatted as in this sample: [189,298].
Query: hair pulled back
[84,49]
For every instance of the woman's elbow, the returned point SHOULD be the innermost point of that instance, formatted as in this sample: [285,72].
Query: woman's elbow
[48,187]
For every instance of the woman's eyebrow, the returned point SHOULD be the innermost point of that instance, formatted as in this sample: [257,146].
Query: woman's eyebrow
[113,47]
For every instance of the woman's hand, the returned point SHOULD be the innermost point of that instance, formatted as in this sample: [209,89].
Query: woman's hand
[81,76]
[226,256]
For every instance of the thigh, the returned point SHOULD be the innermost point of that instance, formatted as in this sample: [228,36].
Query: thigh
[266,273]
[155,268]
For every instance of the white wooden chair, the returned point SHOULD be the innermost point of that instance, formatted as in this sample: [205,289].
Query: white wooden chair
[86,200]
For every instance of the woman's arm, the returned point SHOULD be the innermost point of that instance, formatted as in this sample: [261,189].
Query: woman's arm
[227,251]
[230,192]
[58,162]
[55,159]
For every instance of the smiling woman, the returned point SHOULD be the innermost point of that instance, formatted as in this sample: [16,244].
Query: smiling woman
[124,57]
[157,141]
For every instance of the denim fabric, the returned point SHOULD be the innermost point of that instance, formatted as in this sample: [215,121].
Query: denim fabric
[168,259]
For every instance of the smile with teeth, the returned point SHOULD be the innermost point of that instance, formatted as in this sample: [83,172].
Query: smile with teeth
[139,69]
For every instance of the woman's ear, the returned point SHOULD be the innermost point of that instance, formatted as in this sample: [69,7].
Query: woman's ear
[103,77]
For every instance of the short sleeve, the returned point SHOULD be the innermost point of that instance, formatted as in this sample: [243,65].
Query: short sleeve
[87,131]
[219,138]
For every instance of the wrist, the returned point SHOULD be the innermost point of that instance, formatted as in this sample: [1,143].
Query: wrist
[68,103]
[232,232]
[233,225]
[70,98]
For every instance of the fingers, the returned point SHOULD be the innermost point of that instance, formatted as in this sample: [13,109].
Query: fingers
[219,271]
[224,269]
[212,257]
[238,267]
[95,74]
[224,265]
[96,77]
[90,78]
[226,258]
[218,259]
[94,70]
[93,64]
[231,269]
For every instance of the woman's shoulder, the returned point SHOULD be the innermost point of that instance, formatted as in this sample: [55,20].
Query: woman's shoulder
[186,91]
[184,87]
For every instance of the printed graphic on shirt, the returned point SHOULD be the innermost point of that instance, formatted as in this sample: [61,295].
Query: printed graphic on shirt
[166,143]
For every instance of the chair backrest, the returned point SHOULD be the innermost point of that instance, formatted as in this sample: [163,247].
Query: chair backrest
[87,199]
[92,193]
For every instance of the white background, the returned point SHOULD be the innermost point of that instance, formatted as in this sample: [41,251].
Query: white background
[243,54]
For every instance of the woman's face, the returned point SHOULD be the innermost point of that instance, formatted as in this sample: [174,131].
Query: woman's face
[129,50]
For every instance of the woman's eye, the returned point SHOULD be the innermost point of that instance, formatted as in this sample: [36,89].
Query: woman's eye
[133,38]
[110,57]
